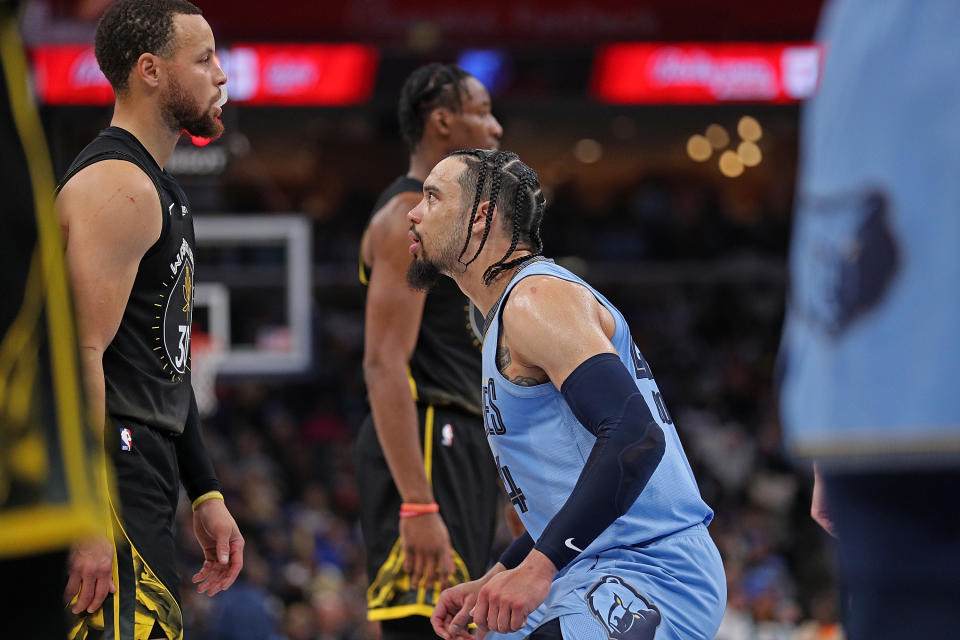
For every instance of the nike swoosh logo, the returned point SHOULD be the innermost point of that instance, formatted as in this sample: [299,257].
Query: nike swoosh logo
[569,543]
[170,208]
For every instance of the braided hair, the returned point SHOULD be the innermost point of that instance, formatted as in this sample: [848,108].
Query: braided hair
[429,87]
[513,189]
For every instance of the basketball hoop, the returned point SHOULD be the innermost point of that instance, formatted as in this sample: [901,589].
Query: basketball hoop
[206,354]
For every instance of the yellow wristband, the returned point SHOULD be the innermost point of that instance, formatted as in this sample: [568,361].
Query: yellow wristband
[209,495]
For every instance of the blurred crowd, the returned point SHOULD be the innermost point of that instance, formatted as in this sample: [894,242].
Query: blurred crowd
[701,281]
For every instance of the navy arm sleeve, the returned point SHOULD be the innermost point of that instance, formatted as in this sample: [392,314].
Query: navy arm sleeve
[630,444]
[517,551]
[196,469]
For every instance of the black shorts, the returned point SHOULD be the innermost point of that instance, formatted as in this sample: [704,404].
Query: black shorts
[147,490]
[464,479]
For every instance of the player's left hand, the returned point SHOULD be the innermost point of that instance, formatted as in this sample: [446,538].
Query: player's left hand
[504,603]
[222,545]
[451,615]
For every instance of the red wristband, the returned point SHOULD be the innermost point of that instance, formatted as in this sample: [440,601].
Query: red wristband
[412,509]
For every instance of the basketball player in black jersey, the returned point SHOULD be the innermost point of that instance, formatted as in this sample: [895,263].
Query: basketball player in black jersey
[426,477]
[130,252]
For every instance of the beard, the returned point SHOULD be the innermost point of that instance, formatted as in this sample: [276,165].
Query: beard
[423,275]
[181,112]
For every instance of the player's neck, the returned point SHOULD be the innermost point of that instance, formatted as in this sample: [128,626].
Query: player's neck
[422,161]
[146,124]
[483,295]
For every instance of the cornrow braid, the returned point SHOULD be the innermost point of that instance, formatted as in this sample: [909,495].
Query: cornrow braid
[520,194]
[514,190]
[495,182]
[481,179]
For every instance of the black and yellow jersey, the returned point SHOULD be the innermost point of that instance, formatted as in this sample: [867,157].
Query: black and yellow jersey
[445,366]
[52,482]
[147,365]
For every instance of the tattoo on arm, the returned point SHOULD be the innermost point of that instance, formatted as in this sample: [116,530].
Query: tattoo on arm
[503,359]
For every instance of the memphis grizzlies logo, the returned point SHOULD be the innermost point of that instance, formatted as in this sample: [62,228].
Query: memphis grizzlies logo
[852,258]
[624,613]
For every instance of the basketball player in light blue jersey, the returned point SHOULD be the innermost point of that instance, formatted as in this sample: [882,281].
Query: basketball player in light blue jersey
[870,356]
[616,543]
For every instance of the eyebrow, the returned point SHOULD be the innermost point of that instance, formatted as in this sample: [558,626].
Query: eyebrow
[431,187]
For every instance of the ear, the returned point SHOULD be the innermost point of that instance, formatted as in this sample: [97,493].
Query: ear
[442,119]
[149,70]
[480,222]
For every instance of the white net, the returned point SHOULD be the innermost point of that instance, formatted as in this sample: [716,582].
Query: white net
[206,356]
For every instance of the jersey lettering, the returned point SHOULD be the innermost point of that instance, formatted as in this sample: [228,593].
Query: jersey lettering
[514,493]
[640,366]
[177,318]
[492,419]
[184,346]
[662,408]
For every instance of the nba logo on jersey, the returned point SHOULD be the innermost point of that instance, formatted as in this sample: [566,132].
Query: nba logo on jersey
[446,435]
[126,440]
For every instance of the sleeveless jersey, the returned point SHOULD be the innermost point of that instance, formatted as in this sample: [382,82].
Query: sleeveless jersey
[147,365]
[870,358]
[540,447]
[445,365]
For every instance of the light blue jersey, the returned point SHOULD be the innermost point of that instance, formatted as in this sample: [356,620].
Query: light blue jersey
[871,347]
[541,448]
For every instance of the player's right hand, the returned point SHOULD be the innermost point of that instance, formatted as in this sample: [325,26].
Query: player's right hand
[90,574]
[427,554]
[452,613]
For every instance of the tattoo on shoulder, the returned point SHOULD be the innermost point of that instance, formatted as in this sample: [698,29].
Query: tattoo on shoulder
[526,381]
[503,358]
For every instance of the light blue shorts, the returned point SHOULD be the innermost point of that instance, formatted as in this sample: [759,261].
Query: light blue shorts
[671,589]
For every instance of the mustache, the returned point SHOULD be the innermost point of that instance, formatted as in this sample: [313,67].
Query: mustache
[414,231]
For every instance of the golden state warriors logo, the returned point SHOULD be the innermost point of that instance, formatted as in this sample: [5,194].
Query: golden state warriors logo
[175,315]
[624,613]
[187,289]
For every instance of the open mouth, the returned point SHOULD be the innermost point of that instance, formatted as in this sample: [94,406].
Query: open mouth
[220,101]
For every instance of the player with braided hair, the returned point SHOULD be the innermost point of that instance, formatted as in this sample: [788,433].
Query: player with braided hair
[427,484]
[511,180]
[528,207]
[616,542]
